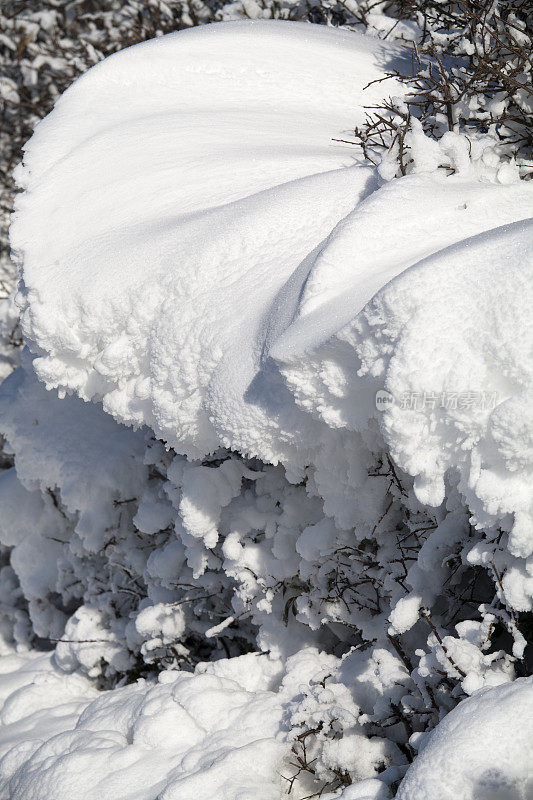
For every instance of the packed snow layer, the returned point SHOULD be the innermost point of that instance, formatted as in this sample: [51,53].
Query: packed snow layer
[222,733]
[483,750]
[450,341]
[202,166]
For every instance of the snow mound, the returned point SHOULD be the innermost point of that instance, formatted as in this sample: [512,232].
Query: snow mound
[188,222]
[483,750]
[218,734]
[227,178]
[190,736]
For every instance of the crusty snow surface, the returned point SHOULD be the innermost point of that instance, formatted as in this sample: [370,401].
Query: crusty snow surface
[203,258]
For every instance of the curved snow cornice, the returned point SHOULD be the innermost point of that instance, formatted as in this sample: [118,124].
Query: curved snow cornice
[196,250]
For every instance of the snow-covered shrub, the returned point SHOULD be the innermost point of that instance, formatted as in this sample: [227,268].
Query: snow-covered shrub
[328,375]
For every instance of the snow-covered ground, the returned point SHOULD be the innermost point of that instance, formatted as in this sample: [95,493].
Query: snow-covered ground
[220,735]
[340,368]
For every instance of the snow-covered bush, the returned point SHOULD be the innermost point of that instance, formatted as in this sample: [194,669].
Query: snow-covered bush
[470,100]
[274,410]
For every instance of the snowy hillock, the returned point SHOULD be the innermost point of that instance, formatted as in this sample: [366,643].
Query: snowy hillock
[271,502]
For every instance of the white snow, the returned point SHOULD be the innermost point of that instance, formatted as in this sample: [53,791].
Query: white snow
[190,736]
[201,260]
[167,301]
[205,172]
[483,750]
[220,734]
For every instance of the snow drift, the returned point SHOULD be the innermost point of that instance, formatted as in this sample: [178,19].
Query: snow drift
[330,380]
[481,751]
[198,735]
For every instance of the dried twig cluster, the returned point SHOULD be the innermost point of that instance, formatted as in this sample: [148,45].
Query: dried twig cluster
[470,74]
